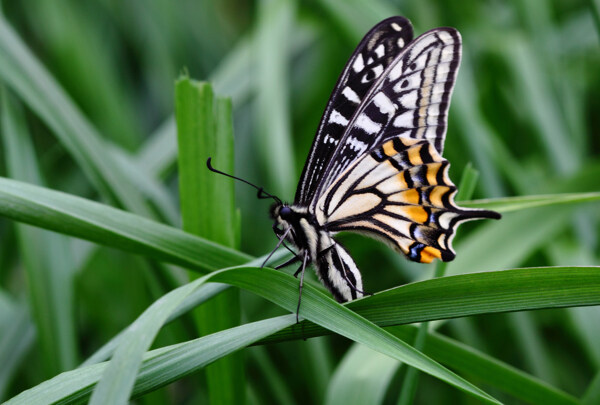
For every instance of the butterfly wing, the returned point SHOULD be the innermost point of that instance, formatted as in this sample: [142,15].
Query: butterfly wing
[399,192]
[410,99]
[371,58]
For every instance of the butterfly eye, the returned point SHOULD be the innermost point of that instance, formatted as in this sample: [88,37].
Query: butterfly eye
[285,213]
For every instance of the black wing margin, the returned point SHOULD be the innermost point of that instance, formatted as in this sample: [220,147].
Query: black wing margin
[373,55]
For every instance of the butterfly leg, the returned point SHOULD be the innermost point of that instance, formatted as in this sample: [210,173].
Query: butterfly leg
[281,239]
[323,252]
[293,260]
[301,271]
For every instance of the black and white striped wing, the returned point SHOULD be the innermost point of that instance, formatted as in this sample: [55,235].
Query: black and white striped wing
[377,50]
[399,192]
[410,99]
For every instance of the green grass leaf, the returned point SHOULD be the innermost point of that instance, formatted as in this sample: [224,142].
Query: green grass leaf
[28,78]
[205,129]
[16,340]
[46,256]
[281,289]
[486,369]
[473,294]
[109,226]
[509,204]
[362,377]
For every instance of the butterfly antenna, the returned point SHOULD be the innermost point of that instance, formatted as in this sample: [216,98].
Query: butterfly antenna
[261,192]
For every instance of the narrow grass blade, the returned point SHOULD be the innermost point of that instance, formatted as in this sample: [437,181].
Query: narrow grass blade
[273,133]
[27,77]
[16,340]
[362,377]
[509,204]
[486,369]
[46,256]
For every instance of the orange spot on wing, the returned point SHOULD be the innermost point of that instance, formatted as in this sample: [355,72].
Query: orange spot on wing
[400,178]
[410,196]
[432,171]
[388,149]
[429,253]
[416,214]
[414,155]
[435,196]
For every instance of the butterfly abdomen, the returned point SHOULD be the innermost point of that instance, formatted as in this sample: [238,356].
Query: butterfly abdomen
[338,272]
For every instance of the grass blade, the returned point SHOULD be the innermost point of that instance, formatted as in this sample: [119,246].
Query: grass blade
[205,128]
[46,256]
[16,340]
[472,294]
[362,377]
[281,289]
[109,226]
[487,369]
[27,77]
[275,19]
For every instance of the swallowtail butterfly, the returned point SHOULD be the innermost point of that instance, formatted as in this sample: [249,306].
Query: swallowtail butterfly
[376,166]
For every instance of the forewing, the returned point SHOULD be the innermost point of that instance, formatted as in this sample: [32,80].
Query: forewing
[410,99]
[371,58]
[399,192]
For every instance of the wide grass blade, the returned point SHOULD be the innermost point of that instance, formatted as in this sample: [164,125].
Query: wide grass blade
[452,353]
[281,289]
[205,129]
[109,226]
[472,294]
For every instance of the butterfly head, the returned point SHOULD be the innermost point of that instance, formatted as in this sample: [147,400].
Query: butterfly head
[286,216]
[282,214]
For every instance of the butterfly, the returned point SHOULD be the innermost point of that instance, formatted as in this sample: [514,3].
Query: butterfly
[375,166]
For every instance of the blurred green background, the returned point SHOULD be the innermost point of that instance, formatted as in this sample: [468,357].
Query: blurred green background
[525,113]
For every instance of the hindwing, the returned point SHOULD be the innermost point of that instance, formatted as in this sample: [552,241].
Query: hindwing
[399,192]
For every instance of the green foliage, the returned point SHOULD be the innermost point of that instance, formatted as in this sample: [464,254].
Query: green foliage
[90,127]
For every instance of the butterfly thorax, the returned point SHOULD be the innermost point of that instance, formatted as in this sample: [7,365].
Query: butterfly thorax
[302,225]
[305,231]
